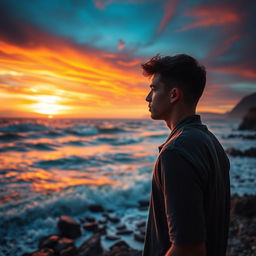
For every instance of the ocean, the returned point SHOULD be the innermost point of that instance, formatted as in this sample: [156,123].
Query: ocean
[54,167]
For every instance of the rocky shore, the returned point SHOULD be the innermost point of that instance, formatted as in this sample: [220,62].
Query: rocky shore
[242,233]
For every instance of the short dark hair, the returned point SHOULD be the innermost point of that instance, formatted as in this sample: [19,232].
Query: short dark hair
[181,69]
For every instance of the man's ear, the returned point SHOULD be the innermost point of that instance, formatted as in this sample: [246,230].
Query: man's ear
[175,94]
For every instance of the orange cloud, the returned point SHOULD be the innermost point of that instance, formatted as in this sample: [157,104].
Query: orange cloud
[236,70]
[170,7]
[66,80]
[212,15]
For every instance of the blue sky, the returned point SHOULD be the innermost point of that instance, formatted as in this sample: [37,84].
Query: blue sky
[220,34]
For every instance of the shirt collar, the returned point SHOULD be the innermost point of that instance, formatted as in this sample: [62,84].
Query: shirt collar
[192,119]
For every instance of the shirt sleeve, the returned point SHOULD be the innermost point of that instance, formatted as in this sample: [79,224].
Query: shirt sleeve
[183,198]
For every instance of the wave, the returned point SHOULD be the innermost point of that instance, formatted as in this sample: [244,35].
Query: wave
[119,140]
[26,147]
[6,137]
[27,127]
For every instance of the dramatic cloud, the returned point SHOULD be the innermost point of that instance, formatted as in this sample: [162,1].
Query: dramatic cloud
[212,15]
[169,10]
[82,58]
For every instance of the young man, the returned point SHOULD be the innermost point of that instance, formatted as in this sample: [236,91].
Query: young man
[190,194]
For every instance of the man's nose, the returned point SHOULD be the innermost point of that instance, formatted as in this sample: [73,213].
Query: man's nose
[149,97]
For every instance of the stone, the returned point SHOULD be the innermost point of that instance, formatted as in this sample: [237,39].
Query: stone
[91,226]
[103,221]
[48,241]
[249,120]
[96,208]
[143,203]
[69,227]
[109,237]
[251,152]
[90,219]
[124,232]
[139,237]
[246,206]
[91,247]
[120,227]
[69,251]
[113,219]
[42,252]
[63,243]
[141,224]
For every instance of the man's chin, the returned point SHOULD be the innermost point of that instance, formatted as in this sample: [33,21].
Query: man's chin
[155,117]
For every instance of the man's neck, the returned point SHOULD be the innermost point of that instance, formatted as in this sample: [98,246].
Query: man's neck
[176,117]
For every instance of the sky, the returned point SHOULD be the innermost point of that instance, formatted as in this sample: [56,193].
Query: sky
[82,58]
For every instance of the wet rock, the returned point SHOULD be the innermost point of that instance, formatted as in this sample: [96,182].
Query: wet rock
[124,232]
[91,247]
[69,251]
[42,252]
[103,221]
[90,219]
[120,244]
[141,224]
[63,243]
[246,206]
[91,226]
[251,152]
[113,219]
[109,237]
[120,227]
[69,227]
[48,241]
[96,208]
[143,205]
[249,121]
[139,237]
[102,229]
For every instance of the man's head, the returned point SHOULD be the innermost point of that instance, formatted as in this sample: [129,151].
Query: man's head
[176,80]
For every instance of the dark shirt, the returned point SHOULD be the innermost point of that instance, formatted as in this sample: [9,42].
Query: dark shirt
[190,194]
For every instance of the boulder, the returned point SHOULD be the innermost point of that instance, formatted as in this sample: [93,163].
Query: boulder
[48,241]
[96,208]
[69,227]
[251,152]
[42,252]
[91,226]
[91,247]
[249,121]
[245,206]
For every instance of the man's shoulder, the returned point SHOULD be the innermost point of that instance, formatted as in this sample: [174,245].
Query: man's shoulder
[191,137]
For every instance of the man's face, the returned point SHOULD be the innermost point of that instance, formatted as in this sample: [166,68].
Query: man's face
[158,99]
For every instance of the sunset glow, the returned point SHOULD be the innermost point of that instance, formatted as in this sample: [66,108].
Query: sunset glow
[43,73]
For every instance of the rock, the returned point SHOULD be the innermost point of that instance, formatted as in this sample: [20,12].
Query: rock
[109,237]
[121,248]
[102,229]
[119,244]
[103,221]
[42,252]
[246,206]
[96,208]
[139,237]
[69,251]
[113,219]
[91,226]
[48,241]
[120,227]
[91,247]
[141,224]
[124,232]
[251,152]
[63,243]
[143,203]
[69,227]
[249,121]
[242,106]
[90,219]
